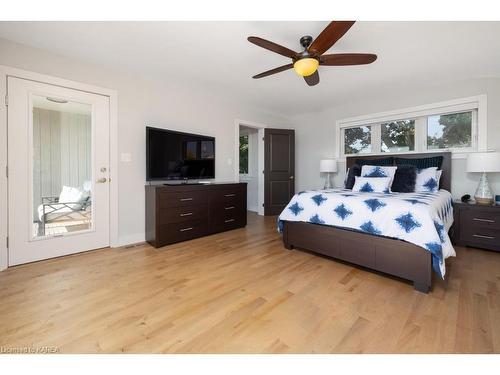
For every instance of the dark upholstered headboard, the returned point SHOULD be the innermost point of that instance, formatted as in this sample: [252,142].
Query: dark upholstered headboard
[445,182]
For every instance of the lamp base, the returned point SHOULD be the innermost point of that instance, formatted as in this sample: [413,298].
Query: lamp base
[328,182]
[483,201]
[483,193]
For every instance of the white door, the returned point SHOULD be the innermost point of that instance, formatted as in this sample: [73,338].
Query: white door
[58,160]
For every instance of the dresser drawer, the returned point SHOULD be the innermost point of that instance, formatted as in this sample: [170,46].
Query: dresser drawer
[177,232]
[182,199]
[481,237]
[478,218]
[226,221]
[230,208]
[230,195]
[183,213]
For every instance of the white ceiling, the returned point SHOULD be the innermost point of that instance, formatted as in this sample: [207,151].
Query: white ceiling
[217,55]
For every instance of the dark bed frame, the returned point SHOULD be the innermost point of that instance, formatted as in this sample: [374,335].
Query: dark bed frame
[391,256]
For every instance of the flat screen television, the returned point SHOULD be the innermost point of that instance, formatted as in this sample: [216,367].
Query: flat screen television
[173,155]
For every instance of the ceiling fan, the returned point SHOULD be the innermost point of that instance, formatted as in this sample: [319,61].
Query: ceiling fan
[306,63]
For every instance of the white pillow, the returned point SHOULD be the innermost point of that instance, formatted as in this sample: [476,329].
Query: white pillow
[372,184]
[427,180]
[70,195]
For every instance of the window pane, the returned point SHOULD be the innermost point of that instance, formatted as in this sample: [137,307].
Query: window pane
[62,160]
[244,154]
[398,136]
[449,131]
[358,140]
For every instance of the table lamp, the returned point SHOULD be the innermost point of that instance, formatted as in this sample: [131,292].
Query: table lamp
[483,162]
[328,166]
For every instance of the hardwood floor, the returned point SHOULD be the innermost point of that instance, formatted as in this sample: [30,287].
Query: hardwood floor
[242,292]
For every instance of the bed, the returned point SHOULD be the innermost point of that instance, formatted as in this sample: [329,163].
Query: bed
[404,254]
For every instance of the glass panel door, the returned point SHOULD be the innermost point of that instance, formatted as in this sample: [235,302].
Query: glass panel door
[58,151]
[61,165]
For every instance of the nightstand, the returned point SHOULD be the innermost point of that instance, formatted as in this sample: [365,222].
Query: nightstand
[476,225]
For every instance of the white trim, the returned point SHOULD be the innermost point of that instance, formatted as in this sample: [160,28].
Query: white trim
[130,239]
[4,254]
[478,102]
[260,175]
[114,236]
[6,71]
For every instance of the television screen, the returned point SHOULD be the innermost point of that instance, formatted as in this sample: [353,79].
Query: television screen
[178,156]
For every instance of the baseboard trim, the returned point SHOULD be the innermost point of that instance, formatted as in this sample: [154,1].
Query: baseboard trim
[3,259]
[130,239]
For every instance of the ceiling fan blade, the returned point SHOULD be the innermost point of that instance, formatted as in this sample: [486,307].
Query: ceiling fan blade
[329,36]
[274,71]
[271,46]
[338,59]
[313,79]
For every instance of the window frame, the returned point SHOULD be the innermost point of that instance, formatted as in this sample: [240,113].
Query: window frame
[476,104]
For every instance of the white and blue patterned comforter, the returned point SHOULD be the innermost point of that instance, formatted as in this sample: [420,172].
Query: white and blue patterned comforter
[420,218]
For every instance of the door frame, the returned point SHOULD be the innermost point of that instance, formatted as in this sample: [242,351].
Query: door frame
[7,71]
[260,176]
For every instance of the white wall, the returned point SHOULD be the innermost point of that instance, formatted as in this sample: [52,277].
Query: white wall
[142,102]
[315,132]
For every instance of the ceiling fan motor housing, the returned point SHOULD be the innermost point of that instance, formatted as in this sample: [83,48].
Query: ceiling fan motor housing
[306,41]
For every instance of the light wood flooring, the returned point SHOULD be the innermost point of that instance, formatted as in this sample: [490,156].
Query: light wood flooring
[242,292]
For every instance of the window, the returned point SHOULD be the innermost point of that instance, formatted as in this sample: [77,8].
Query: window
[244,154]
[458,126]
[358,140]
[397,136]
[449,131]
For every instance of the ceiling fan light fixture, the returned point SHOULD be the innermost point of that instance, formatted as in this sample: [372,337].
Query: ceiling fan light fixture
[306,66]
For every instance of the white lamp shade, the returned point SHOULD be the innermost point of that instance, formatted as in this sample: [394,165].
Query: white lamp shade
[328,165]
[483,162]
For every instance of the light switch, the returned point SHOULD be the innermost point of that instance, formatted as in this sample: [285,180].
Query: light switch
[126,157]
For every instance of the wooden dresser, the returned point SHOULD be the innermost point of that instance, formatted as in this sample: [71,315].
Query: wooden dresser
[476,225]
[177,213]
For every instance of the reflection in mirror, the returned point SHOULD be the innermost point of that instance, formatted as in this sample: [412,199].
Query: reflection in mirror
[62,174]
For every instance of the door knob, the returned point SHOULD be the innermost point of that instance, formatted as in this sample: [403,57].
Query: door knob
[291,177]
[102,180]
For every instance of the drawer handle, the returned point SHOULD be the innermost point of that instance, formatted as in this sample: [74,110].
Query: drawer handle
[481,236]
[229,208]
[228,220]
[483,220]
[186,214]
[229,195]
[185,199]
[185,229]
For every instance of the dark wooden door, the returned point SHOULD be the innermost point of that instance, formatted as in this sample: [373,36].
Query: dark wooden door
[279,169]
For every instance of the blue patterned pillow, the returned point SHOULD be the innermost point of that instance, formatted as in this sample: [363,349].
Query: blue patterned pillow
[427,180]
[372,184]
[378,171]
